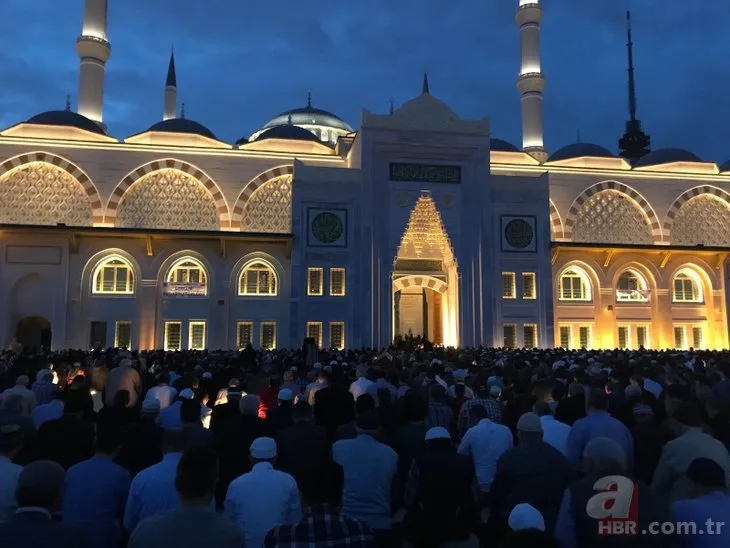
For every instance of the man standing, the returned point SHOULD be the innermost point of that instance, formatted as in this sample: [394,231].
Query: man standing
[194,523]
[124,377]
[11,442]
[554,432]
[485,400]
[264,498]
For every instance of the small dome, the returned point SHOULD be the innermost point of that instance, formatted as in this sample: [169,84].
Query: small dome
[288,131]
[578,150]
[503,146]
[309,116]
[667,156]
[183,125]
[67,118]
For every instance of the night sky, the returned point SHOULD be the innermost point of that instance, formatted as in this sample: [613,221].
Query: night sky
[241,63]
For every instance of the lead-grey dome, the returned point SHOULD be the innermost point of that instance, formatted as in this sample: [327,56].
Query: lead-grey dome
[578,150]
[66,118]
[667,156]
[288,131]
[183,125]
[309,116]
[502,146]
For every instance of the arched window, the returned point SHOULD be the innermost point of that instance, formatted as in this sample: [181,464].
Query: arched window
[113,276]
[257,278]
[687,287]
[631,288]
[575,285]
[186,277]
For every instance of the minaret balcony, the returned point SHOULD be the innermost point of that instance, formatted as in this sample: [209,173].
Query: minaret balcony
[93,46]
[529,13]
[531,82]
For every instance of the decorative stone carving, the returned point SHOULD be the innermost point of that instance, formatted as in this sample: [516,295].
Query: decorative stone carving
[611,217]
[43,194]
[269,207]
[704,220]
[168,199]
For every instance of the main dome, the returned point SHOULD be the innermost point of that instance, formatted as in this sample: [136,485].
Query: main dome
[66,118]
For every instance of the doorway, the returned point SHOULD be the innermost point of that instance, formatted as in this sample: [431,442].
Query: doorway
[34,333]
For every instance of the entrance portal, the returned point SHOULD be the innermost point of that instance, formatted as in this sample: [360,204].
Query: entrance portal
[34,332]
[418,312]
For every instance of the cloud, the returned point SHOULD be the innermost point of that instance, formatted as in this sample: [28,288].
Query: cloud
[241,63]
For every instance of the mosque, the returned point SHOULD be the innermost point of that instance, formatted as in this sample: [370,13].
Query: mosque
[418,222]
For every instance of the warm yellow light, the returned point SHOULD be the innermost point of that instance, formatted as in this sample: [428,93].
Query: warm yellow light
[530,67]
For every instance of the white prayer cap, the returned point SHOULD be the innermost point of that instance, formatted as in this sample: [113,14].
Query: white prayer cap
[525,516]
[435,362]
[558,364]
[286,395]
[460,374]
[263,448]
[317,365]
[437,433]
[150,406]
[529,422]
[187,394]
[207,375]
[495,391]
[334,362]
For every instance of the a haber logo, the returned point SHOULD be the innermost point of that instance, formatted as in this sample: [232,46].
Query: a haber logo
[615,506]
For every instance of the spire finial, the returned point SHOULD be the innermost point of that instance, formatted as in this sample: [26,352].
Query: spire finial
[309,99]
[392,106]
[577,136]
[171,76]
[288,119]
[182,111]
[426,89]
[632,84]
[68,103]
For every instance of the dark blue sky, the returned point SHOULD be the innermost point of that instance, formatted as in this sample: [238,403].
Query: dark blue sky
[242,62]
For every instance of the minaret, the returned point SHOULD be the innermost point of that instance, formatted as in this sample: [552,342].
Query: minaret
[170,91]
[635,143]
[94,50]
[531,82]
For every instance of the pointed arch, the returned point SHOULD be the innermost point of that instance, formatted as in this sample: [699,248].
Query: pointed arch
[556,223]
[132,177]
[253,185]
[637,199]
[708,191]
[97,208]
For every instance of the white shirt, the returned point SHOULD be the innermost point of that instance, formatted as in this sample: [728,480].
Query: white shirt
[484,443]
[261,500]
[360,387]
[163,394]
[152,492]
[555,433]
[9,474]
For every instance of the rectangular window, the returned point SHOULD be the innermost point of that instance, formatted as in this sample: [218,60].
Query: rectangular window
[623,337]
[698,337]
[642,336]
[565,337]
[97,338]
[584,336]
[337,282]
[314,282]
[268,335]
[679,337]
[529,335]
[196,335]
[510,335]
[529,285]
[337,335]
[123,334]
[314,331]
[509,291]
[173,335]
[244,334]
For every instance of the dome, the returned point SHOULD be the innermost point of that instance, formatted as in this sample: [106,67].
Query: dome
[667,156]
[288,131]
[503,146]
[67,118]
[578,150]
[183,125]
[309,116]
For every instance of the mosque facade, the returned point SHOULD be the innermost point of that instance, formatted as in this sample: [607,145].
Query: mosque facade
[418,222]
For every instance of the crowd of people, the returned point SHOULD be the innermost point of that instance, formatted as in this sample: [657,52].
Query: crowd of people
[405,446]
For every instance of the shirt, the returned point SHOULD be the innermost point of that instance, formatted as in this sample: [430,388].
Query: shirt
[369,467]
[45,391]
[555,433]
[94,496]
[322,526]
[163,394]
[170,416]
[484,443]
[29,399]
[261,500]
[360,387]
[9,474]
[494,412]
[152,492]
[599,424]
[47,412]
[187,527]
[440,414]
[713,506]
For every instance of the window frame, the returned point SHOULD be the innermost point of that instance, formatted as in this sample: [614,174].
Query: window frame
[505,327]
[525,327]
[511,279]
[239,324]
[341,324]
[311,270]
[533,294]
[253,265]
[688,276]
[635,297]
[264,324]
[191,325]
[320,337]
[574,273]
[98,276]
[117,323]
[167,325]
[178,265]
[343,271]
